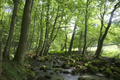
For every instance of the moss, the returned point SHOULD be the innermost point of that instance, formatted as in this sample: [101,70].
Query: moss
[57,70]
[63,59]
[30,73]
[43,68]
[107,72]
[13,71]
[92,69]
[102,69]
[41,78]
[65,65]
[116,69]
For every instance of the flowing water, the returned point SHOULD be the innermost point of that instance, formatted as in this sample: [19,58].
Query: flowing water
[62,75]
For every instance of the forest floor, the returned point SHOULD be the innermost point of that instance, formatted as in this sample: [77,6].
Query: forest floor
[61,66]
[74,67]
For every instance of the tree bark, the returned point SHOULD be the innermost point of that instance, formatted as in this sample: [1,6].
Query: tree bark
[46,41]
[32,37]
[80,46]
[85,36]
[10,37]
[0,58]
[41,35]
[101,38]
[71,43]
[22,46]
[65,40]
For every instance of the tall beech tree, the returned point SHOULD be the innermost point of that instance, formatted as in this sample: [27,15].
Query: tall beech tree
[71,42]
[22,46]
[10,37]
[103,35]
[86,25]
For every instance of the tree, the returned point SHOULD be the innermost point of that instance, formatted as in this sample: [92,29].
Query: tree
[22,46]
[71,43]
[102,36]
[86,21]
[10,37]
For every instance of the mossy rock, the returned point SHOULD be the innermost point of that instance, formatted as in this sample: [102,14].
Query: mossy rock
[78,67]
[66,72]
[92,69]
[107,72]
[48,76]
[47,58]
[82,70]
[75,71]
[115,69]
[43,68]
[57,71]
[65,65]
[51,73]
[54,61]
[41,78]
[102,69]
[72,64]
[56,66]
[99,63]
[63,59]
[116,76]
[30,73]
[81,78]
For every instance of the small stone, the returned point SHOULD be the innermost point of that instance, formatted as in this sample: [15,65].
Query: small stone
[51,73]
[48,77]
[41,78]
[81,78]
[66,72]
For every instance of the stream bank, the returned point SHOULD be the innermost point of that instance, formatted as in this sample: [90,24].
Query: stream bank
[58,67]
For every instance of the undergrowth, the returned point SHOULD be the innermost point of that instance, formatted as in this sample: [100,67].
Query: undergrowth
[14,71]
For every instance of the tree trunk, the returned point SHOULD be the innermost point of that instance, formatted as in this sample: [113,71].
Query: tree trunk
[32,37]
[80,46]
[46,41]
[0,58]
[10,37]
[85,36]
[71,43]
[22,46]
[65,40]
[1,23]
[101,38]
[41,35]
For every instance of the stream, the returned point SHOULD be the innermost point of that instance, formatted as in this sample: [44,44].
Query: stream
[62,76]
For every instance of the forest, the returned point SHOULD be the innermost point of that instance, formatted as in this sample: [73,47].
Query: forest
[59,40]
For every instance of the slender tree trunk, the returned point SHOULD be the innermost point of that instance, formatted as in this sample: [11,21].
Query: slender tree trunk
[65,40]
[33,31]
[10,37]
[80,46]
[1,23]
[101,38]
[22,46]
[71,43]
[46,41]
[85,36]
[0,58]
[62,47]
[41,35]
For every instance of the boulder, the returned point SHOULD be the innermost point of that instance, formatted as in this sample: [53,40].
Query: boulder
[66,72]
[107,72]
[41,78]
[48,76]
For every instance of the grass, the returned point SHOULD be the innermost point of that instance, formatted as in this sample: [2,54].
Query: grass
[12,71]
[108,51]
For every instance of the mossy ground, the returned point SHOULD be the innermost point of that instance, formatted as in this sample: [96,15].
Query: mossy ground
[14,71]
